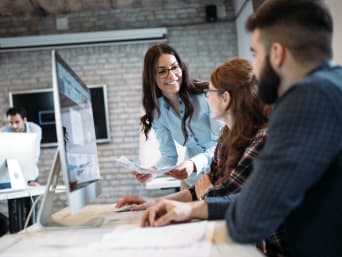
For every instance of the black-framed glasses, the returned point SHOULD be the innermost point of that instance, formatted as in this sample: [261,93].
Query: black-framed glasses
[163,73]
[207,92]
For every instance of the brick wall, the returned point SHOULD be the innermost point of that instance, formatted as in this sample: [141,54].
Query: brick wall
[202,45]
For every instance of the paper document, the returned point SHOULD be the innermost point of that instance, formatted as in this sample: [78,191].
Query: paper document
[124,162]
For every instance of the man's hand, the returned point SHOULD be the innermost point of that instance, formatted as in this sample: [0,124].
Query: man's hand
[183,170]
[140,203]
[33,184]
[202,186]
[167,211]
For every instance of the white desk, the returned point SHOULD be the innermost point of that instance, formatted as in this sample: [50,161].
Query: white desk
[165,182]
[101,220]
[29,191]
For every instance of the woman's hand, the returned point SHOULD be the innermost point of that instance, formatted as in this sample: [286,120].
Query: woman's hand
[183,170]
[140,203]
[142,177]
[202,186]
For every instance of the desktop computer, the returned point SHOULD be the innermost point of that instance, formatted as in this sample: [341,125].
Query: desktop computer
[76,158]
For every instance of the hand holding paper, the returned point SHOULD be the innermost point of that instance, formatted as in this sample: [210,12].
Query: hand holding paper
[124,162]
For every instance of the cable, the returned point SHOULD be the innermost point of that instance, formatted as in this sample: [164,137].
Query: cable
[31,211]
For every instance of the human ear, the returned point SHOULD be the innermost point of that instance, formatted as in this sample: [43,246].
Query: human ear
[226,98]
[277,55]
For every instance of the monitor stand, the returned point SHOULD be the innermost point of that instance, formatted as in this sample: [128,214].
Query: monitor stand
[16,175]
[46,208]
[46,211]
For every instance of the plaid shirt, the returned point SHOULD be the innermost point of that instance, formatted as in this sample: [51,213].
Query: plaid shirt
[238,176]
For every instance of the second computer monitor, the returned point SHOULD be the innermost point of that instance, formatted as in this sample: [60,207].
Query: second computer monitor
[22,148]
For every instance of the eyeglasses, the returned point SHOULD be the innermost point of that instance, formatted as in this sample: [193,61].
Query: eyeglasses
[163,73]
[207,92]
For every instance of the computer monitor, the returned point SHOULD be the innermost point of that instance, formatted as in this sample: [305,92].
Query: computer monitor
[22,148]
[77,151]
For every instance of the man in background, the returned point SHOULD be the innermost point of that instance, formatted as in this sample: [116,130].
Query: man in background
[19,207]
[17,122]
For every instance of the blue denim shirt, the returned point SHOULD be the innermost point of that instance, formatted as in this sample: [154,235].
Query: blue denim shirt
[201,143]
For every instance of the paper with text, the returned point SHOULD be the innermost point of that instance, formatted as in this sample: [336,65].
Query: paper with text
[126,163]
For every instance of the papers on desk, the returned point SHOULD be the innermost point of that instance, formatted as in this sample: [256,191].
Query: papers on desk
[126,163]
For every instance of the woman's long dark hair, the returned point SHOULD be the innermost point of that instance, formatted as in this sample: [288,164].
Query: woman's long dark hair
[151,92]
[248,112]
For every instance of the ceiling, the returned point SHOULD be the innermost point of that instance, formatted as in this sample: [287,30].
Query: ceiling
[48,7]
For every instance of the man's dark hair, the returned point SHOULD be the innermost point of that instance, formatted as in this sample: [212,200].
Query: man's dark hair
[305,27]
[17,110]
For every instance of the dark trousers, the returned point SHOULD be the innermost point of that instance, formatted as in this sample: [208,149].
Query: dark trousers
[18,210]
[3,224]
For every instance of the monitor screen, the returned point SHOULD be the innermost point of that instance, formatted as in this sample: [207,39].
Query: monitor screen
[77,151]
[22,147]
[75,127]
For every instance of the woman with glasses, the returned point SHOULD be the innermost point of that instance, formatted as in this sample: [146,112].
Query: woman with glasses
[232,97]
[177,111]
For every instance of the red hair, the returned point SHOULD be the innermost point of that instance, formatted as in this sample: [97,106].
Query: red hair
[249,114]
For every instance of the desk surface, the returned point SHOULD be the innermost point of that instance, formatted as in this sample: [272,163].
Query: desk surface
[100,221]
[29,191]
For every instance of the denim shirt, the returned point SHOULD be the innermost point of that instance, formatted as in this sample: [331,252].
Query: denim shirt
[201,143]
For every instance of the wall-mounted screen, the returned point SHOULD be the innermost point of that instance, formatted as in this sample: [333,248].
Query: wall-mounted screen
[40,109]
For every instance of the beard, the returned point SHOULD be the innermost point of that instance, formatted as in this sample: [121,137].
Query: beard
[268,83]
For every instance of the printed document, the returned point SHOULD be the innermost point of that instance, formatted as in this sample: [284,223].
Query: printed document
[126,163]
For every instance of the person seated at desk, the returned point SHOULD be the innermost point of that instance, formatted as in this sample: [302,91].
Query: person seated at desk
[177,111]
[232,98]
[296,184]
[17,121]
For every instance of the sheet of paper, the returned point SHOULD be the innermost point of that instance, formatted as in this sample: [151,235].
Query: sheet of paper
[126,163]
